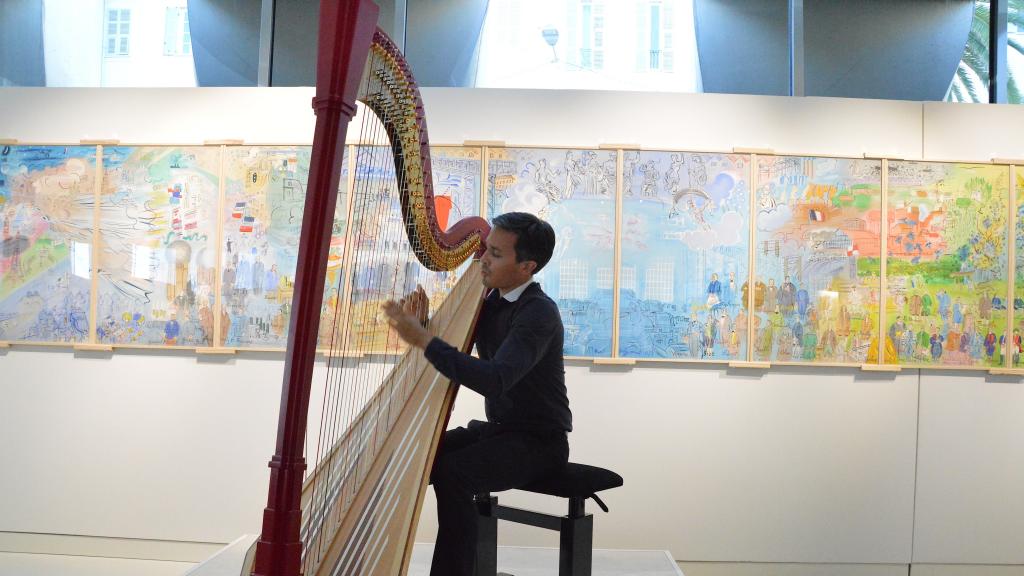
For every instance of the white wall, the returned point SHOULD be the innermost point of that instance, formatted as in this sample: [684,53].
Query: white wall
[790,465]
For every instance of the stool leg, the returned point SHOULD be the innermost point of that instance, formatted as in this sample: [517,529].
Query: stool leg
[575,553]
[487,535]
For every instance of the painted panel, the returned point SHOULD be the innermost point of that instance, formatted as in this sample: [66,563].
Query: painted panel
[262,217]
[816,259]
[574,191]
[947,270]
[685,256]
[46,239]
[158,245]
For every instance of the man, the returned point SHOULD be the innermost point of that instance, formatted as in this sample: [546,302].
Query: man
[520,373]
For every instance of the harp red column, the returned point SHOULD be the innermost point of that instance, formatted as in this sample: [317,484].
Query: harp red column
[346,31]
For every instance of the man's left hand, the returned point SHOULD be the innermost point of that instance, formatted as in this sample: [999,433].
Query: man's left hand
[408,317]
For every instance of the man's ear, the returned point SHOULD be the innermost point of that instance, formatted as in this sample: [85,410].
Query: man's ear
[529,266]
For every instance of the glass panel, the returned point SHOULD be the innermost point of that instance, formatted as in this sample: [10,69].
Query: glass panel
[970,82]
[1015,51]
[574,191]
[947,270]
[816,259]
[158,246]
[544,44]
[264,195]
[155,59]
[685,237]
[46,230]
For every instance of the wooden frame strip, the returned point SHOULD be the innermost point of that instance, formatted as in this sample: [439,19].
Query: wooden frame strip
[1011,266]
[218,281]
[94,265]
[617,258]
[751,249]
[883,257]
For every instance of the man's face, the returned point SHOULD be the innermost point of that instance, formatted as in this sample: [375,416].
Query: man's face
[498,265]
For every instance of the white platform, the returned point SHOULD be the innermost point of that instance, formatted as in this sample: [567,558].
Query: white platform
[529,561]
[517,561]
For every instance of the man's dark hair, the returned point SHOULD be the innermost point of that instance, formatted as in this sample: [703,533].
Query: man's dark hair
[535,239]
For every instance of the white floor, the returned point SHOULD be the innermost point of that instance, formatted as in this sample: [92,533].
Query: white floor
[514,561]
[12,564]
[517,561]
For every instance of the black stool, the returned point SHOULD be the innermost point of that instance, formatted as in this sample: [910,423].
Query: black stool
[577,482]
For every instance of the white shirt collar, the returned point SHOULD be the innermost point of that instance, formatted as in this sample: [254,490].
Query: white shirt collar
[514,294]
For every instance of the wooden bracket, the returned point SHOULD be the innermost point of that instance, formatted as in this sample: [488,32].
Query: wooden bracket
[618,146]
[614,361]
[1007,372]
[5,344]
[1017,161]
[490,143]
[8,141]
[750,365]
[881,367]
[216,351]
[98,142]
[224,142]
[93,348]
[749,150]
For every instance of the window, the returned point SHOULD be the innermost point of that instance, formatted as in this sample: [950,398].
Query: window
[970,82]
[658,282]
[572,280]
[654,36]
[644,45]
[591,50]
[116,32]
[628,279]
[177,38]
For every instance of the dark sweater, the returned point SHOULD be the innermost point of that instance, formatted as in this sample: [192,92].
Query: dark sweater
[520,372]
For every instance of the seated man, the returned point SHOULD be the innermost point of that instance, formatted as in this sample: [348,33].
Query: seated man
[520,373]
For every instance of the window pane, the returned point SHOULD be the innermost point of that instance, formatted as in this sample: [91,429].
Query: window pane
[1015,51]
[970,82]
[546,43]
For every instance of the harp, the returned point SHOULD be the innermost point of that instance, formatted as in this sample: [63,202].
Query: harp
[355,511]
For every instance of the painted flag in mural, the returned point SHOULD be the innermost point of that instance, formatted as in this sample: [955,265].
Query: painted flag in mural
[815,215]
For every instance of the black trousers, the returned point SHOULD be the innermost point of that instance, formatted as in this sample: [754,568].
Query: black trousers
[483,457]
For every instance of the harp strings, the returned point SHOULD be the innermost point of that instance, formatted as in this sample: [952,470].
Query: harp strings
[352,430]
